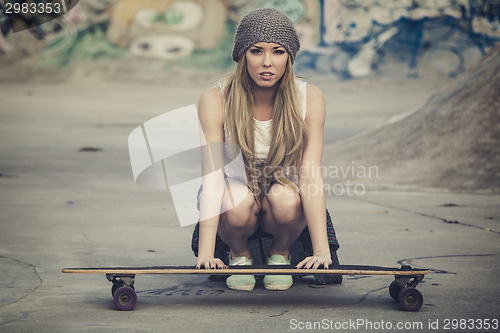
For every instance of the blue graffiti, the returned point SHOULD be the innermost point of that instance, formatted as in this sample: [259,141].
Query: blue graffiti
[444,44]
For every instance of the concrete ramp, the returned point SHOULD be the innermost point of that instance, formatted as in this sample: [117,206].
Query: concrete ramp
[452,141]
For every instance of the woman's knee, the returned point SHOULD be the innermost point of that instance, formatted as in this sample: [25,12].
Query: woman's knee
[239,206]
[285,203]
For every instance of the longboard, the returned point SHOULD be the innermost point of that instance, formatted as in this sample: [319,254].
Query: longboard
[402,289]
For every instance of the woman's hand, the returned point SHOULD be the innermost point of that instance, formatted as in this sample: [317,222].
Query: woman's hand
[316,261]
[209,262]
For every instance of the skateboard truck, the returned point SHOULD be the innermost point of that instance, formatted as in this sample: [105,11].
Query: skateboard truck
[403,290]
[120,280]
[406,281]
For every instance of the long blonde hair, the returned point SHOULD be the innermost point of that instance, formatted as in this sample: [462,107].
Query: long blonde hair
[288,131]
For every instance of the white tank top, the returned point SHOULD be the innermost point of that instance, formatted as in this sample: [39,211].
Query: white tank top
[234,167]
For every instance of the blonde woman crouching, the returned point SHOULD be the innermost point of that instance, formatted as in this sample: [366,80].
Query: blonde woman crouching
[276,121]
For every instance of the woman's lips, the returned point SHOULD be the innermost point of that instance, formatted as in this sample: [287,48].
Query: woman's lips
[266,75]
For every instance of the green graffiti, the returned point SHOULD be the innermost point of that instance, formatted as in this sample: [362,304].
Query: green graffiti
[217,58]
[294,9]
[155,19]
[173,16]
[85,44]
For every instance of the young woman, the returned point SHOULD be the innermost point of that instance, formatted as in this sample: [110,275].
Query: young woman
[277,121]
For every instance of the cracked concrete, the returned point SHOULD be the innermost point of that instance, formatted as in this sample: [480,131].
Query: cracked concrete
[18,280]
[60,207]
[475,211]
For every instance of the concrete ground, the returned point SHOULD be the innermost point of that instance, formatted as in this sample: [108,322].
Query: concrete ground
[61,207]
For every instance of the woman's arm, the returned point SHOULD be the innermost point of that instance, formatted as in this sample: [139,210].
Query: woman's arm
[311,181]
[211,115]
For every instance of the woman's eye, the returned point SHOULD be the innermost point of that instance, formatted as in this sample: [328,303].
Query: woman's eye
[279,51]
[255,51]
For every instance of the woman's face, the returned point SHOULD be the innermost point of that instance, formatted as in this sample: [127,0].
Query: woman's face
[266,63]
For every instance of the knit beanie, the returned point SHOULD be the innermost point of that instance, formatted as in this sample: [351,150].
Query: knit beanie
[265,25]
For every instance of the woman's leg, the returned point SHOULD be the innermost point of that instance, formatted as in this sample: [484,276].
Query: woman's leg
[238,223]
[283,218]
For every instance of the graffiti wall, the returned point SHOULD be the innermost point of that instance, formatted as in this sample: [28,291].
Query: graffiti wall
[409,37]
[345,38]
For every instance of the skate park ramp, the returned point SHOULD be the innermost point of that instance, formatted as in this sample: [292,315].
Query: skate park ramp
[451,141]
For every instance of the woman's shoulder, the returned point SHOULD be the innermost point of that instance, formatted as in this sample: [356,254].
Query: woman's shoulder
[310,91]
[313,92]
[211,105]
[315,103]
[211,95]
[215,92]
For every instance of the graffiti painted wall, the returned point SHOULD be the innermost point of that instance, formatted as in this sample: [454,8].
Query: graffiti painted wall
[409,37]
[345,38]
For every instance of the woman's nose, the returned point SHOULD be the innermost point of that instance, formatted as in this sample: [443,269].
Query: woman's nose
[267,60]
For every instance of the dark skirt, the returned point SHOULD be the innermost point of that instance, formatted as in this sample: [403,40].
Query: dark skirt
[260,243]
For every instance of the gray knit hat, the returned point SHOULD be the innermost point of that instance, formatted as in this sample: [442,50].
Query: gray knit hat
[265,25]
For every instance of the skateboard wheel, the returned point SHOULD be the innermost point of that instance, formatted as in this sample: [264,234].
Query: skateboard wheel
[410,299]
[125,298]
[114,287]
[394,290]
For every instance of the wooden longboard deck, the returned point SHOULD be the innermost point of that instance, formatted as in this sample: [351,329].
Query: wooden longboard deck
[402,289]
[254,270]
